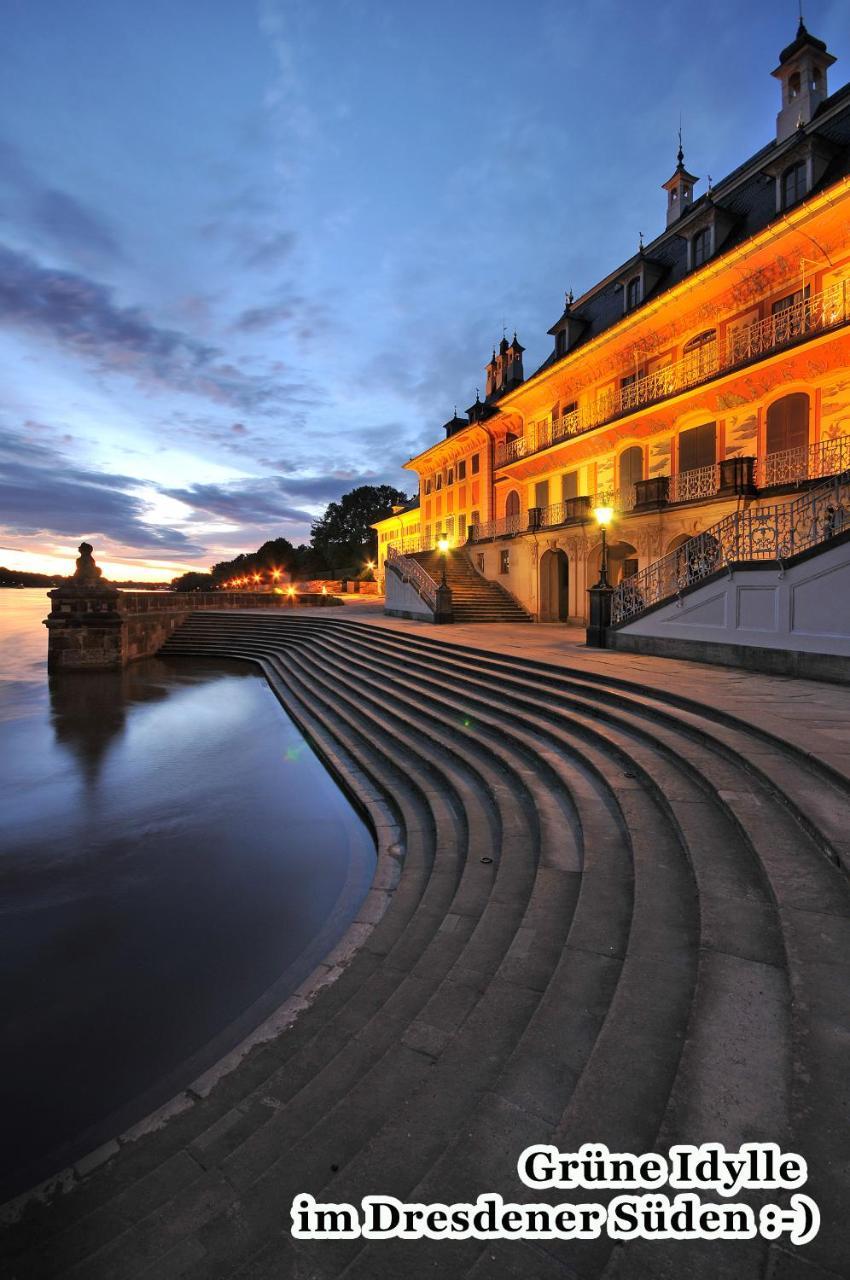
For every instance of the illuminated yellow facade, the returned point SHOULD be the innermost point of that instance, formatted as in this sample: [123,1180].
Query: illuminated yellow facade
[710,370]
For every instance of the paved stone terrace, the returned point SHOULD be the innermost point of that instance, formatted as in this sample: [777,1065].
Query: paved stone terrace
[658,952]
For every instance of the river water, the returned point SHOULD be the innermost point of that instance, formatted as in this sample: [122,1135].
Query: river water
[174,860]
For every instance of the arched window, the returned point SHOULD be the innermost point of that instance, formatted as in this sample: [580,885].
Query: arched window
[793,184]
[794,84]
[631,466]
[512,504]
[788,423]
[633,293]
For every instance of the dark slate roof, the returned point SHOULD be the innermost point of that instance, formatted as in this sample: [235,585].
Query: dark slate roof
[748,194]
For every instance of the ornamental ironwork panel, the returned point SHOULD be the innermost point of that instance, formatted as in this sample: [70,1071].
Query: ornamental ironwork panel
[413,572]
[773,532]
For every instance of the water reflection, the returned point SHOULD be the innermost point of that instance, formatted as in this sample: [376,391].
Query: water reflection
[173,862]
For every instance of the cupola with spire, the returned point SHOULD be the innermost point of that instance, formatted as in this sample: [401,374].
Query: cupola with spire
[505,368]
[802,72]
[679,188]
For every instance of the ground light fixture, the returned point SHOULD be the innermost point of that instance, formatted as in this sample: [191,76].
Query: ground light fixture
[604,516]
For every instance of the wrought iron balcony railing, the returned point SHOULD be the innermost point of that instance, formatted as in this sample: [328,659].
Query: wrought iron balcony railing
[701,482]
[770,532]
[802,319]
[809,462]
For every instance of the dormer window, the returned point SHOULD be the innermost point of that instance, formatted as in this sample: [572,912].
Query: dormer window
[561,342]
[701,246]
[633,293]
[793,184]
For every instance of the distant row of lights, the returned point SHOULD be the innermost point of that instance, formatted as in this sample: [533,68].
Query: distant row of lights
[275,575]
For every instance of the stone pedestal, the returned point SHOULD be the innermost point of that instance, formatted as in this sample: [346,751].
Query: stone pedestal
[599,616]
[443,611]
[85,629]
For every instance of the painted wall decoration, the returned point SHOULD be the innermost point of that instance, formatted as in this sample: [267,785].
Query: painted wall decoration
[660,452]
[741,435]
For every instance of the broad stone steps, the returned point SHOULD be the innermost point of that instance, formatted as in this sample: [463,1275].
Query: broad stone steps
[456,709]
[503,1015]
[403,1076]
[401,786]
[337,1182]
[687,765]
[777,820]
[828,889]
[420,1193]
[819,795]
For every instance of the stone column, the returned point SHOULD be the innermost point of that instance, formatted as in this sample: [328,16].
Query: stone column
[85,628]
[599,619]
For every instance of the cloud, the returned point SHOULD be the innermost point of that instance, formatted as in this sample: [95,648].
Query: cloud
[53,217]
[42,493]
[80,315]
[259,502]
[271,250]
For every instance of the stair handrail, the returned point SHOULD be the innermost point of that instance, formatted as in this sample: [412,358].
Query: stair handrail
[410,570]
[773,532]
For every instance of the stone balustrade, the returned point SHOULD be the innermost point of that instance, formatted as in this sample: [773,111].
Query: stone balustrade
[93,625]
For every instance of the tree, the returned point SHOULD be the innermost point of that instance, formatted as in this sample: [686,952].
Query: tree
[343,536]
[193,582]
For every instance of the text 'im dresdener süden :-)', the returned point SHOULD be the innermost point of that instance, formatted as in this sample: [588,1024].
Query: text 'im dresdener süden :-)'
[692,1193]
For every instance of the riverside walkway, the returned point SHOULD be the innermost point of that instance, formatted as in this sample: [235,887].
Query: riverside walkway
[611,905]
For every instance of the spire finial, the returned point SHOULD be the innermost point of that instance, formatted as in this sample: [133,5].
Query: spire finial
[680,154]
[640,242]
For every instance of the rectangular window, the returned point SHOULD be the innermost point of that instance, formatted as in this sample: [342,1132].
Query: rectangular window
[476,463]
[701,246]
[475,518]
[504,561]
[439,482]
[698,447]
[450,526]
[480,562]
[428,484]
[461,469]
[450,476]
[461,495]
[541,493]
[633,293]
[569,485]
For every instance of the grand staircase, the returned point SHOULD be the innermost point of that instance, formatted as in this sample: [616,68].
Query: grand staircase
[616,914]
[474,597]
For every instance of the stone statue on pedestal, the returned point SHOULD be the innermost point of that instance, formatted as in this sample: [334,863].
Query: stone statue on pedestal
[87,571]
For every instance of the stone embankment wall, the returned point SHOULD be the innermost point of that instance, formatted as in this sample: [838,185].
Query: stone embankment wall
[97,626]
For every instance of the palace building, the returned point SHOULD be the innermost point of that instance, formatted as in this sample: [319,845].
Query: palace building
[708,373]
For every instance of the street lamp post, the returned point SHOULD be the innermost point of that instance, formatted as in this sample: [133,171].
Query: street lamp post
[443,546]
[600,594]
[443,610]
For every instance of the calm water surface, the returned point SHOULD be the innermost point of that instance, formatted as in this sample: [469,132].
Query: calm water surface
[174,860]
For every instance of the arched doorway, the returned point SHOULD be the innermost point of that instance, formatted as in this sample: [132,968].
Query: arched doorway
[622,562]
[554,586]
